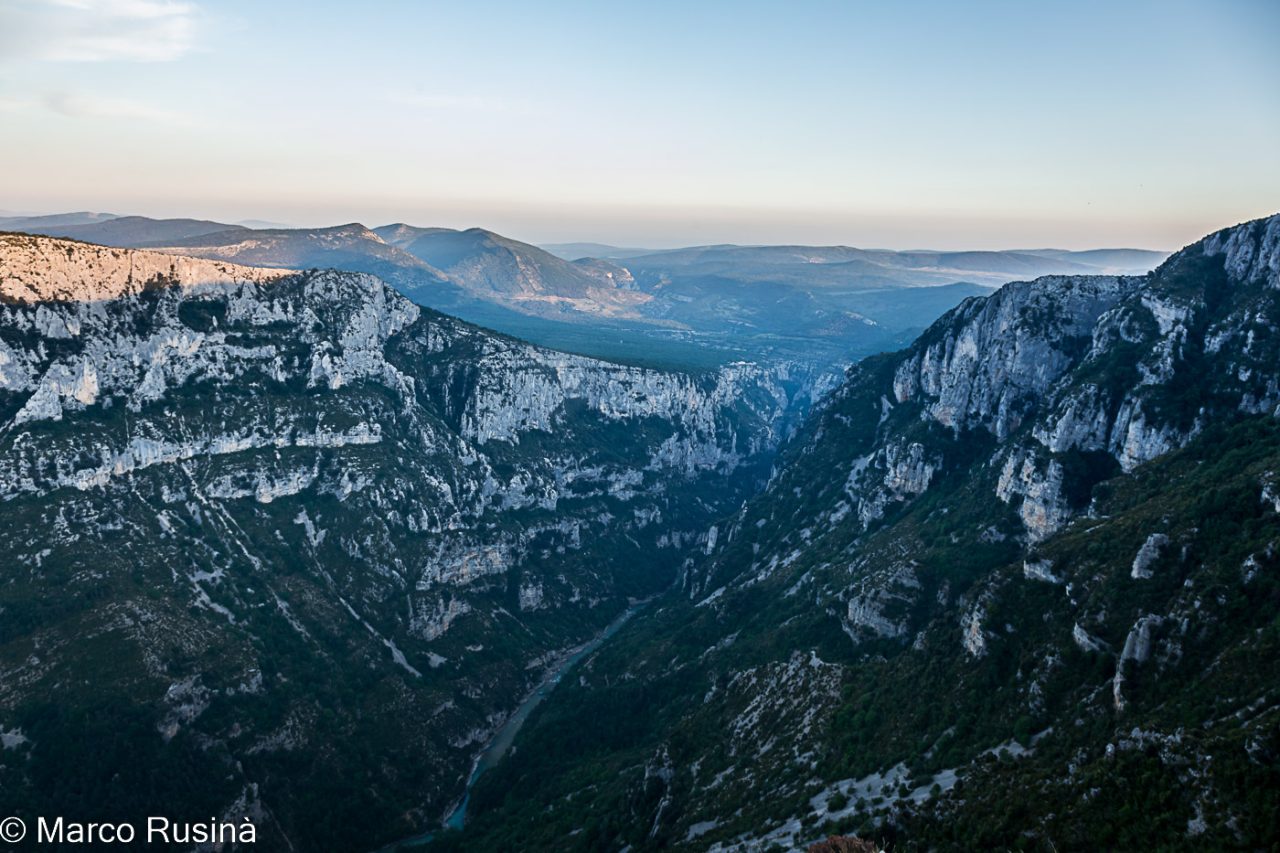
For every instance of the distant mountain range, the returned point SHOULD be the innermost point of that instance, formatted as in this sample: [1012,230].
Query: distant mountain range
[38,224]
[1115,261]
[520,275]
[574,251]
[695,307]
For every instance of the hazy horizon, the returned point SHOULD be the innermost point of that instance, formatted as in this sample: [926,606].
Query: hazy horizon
[255,222]
[987,127]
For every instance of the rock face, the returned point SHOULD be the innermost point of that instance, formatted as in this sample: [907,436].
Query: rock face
[1148,554]
[877,600]
[1031,551]
[1137,649]
[1041,570]
[997,357]
[254,516]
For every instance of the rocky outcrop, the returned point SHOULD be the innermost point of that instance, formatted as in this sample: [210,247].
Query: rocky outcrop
[972,636]
[897,472]
[1137,649]
[1250,252]
[879,605]
[1040,570]
[524,391]
[1085,641]
[1148,554]
[1270,492]
[1038,484]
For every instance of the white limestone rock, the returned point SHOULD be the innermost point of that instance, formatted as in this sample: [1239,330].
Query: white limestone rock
[1270,491]
[972,636]
[1003,352]
[1040,570]
[432,620]
[531,595]
[896,472]
[1137,649]
[1044,509]
[1147,555]
[1250,252]
[895,589]
[1085,641]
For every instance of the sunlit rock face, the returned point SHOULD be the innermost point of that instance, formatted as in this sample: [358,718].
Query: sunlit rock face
[234,476]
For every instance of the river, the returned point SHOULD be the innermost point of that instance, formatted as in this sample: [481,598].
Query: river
[501,741]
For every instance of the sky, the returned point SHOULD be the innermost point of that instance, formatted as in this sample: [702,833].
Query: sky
[902,125]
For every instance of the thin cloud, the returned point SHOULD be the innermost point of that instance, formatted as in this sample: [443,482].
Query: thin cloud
[94,107]
[445,102]
[98,30]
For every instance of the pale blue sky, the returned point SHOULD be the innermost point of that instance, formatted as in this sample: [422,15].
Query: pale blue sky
[983,124]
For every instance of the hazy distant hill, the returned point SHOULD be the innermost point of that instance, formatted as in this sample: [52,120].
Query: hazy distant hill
[574,251]
[495,267]
[263,223]
[808,292]
[124,231]
[296,247]
[1115,261]
[822,264]
[352,247]
[41,224]
[799,290]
